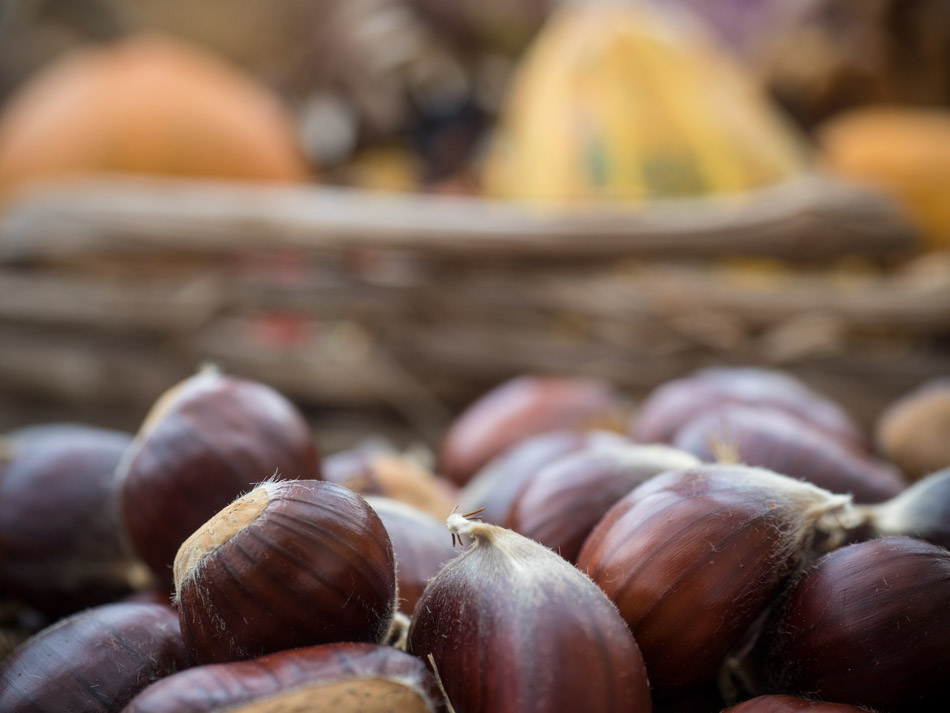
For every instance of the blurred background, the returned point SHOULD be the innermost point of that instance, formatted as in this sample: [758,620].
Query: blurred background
[383,208]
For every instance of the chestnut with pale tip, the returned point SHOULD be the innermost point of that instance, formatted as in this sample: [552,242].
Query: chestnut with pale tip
[290,564]
[561,503]
[767,437]
[912,431]
[692,558]
[511,627]
[329,678]
[95,661]
[521,407]
[869,625]
[204,442]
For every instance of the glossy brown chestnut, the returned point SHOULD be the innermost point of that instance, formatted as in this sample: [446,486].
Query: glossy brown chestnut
[562,502]
[913,430]
[331,678]
[668,407]
[494,488]
[511,627]
[867,624]
[421,546]
[522,407]
[387,473]
[789,704]
[62,542]
[769,438]
[691,558]
[94,661]
[921,511]
[206,441]
[292,563]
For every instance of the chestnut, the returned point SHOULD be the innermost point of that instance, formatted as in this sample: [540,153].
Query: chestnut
[94,661]
[913,430]
[329,678]
[769,438]
[563,501]
[777,703]
[867,624]
[494,488]
[521,407]
[204,442]
[63,546]
[421,546]
[292,563]
[669,406]
[692,558]
[509,626]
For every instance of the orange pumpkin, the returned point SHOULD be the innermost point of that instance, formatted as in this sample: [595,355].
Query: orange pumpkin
[901,149]
[146,105]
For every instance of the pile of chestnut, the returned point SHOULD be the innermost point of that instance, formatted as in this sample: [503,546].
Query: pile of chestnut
[734,542]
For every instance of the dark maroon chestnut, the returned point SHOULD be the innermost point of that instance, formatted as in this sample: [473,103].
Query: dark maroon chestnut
[292,563]
[921,511]
[867,624]
[95,661]
[421,546]
[668,407]
[913,430]
[789,704]
[494,488]
[769,438]
[387,473]
[691,558]
[562,502]
[206,441]
[509,627]
[330,678]
[519,408]
[63,546]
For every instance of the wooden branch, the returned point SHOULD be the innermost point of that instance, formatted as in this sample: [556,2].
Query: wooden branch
[813,218]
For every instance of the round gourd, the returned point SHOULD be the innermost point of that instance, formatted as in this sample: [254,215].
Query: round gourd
[145,105]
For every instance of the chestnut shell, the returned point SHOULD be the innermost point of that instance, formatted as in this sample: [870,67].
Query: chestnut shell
[867,624]
[95,661]
[789,704]
[214,687]
[314,566]
[206,441]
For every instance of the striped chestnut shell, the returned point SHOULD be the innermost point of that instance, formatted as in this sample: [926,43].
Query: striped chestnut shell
[292,563]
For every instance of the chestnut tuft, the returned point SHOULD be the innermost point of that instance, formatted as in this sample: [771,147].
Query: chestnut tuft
[330,678]
[292,563]
[691,558]
[867,624]
[62,542]
[494,488]
[522,407]
[668,407]
[769,438]
[510,627]
[206,441]
[95,661]
[561,503]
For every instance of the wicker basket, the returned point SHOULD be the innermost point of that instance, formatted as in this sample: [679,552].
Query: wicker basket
[388,312]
